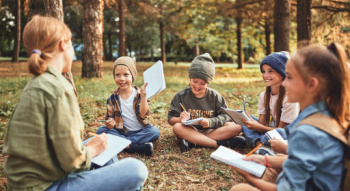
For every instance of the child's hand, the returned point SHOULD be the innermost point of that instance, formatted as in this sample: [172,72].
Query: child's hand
[110,123]
[184,116]
[256,158]
[204,123]
[251,124]
[278,146]
[143,89]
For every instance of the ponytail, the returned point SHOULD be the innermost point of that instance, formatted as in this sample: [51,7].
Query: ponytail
[41,37]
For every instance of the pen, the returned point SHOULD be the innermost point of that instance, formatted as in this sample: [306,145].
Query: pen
[183,107]
[93,134]
[103,120]
[252,151]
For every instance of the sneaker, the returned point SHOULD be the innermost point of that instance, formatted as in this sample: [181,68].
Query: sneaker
[146,148]
[235,142]
[265,151]
[185,146]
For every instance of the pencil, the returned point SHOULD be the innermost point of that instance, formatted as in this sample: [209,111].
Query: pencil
[93,134]
[183,107]
[252,151]
[103,120]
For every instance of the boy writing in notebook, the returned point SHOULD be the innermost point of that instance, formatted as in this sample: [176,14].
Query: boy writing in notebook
[127,110]
[198,100]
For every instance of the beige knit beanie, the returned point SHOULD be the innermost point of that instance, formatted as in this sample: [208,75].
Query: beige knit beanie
[202,67]
[128,62]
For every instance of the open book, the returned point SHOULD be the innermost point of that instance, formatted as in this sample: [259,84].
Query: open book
[154,76]
[236,115]
[193,121]
[274,134]
[115,145]
[234,158]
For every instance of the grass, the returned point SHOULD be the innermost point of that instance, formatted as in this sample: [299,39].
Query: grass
[169,169]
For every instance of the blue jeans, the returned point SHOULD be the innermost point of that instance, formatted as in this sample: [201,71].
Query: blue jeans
[147,134]
[252,135]
[126,174]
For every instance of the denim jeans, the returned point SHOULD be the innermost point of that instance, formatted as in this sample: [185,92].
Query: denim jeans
[147,134]
[252,135]
[126,174]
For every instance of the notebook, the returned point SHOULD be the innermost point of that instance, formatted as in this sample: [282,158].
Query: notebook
[154,76]
[193,121]
[234,158]
[274,134]
[115,145]
[236,115]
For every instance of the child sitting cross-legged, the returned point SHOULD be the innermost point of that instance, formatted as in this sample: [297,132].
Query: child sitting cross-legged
[198,101]
[127,110]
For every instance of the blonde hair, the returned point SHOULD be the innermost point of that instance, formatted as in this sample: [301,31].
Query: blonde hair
[44,34]
[329,66]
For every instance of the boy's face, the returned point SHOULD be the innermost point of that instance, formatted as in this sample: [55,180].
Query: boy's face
[123,77]
[198,87]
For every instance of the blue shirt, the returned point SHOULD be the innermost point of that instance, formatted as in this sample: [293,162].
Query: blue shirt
[312,155]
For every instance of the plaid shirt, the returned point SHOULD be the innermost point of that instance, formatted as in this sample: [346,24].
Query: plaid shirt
[114,111]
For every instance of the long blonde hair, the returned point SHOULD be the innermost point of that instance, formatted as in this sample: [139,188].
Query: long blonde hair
[44,34]
[329,66]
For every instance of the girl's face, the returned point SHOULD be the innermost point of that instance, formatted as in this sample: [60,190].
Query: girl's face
[198,87]
[271,77]
[123,77]
[296,89]
[68,56]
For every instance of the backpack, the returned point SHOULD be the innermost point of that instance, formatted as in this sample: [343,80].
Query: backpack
[323,122]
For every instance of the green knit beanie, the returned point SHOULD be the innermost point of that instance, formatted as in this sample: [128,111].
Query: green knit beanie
[202,67]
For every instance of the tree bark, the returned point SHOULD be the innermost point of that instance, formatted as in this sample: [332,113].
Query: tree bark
[281,25]
[303,22]
[92,39]
[54,8]
[17,44]
[239,42]
[162,34]
[122,38]
[110,46]
[197,50]
[267,36]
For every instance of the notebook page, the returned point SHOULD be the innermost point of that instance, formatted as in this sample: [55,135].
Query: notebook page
[193,121]
[154,76]
[115,145]
[274,134]
[234,158]
[236,115]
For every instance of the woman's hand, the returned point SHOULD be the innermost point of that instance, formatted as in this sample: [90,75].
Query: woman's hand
[278,146]
[110,123]
[143,89]
[204,123]
[97,144]
[184,116]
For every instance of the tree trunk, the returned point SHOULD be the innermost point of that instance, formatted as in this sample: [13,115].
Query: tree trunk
[239,42]
[281,25]
[110,46]
[267,36]
[122,38]
[17,44]
[162,41]
[197,50]
[54,8]
[92,39]
[304,22]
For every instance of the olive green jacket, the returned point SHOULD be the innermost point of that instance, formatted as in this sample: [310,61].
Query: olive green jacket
[44,136]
